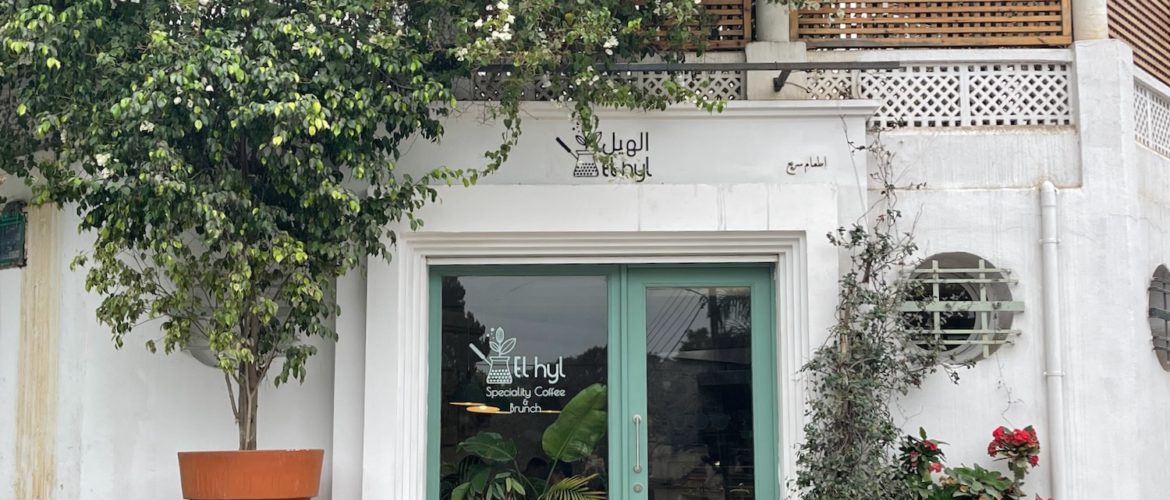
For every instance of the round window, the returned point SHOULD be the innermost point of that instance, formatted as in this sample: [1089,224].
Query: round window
[961,306]
[1160,314]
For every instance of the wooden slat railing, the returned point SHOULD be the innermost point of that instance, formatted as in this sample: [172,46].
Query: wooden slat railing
[923,23]
[1145,26]
[728,24]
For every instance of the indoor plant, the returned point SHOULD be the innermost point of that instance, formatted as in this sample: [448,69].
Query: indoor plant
[232,158]
[490,471]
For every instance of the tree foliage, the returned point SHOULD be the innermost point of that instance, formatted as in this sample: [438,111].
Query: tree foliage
[232,158]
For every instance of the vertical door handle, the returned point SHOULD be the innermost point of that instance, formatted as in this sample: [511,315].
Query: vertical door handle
[637,444]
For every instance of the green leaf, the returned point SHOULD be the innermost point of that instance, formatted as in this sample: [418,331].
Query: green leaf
[460,491]
[573,488]
[52,63]
[580,426]
[490,446]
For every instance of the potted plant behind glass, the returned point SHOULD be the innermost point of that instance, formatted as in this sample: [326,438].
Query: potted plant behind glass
[232,159]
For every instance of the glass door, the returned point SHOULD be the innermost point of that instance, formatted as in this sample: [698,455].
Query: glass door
[700,351]
[633,381]
[521,368]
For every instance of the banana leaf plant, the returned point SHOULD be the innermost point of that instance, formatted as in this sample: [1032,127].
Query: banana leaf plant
[490,470]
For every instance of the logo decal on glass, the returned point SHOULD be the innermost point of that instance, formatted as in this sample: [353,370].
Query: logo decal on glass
[504,369]
[499,373]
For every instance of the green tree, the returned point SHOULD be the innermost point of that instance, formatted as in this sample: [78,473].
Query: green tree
[232,158]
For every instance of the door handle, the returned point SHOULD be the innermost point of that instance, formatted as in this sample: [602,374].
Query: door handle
[637,445]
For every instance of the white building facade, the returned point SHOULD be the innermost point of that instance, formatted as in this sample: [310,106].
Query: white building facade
[1045,165]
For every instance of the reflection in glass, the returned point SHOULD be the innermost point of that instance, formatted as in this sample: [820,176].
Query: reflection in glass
[698,367]
[515,350]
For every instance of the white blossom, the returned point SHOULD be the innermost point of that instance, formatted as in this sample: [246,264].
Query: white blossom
[178,100]
[102,159]
[146,127]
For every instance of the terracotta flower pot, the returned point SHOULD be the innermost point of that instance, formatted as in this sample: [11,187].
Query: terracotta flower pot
[251,475]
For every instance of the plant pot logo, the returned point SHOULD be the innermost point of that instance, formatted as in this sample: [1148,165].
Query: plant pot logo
[626,157]
[503,369]
[586,165]
[499,370]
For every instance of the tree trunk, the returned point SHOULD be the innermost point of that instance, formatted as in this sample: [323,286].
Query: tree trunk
[249,385]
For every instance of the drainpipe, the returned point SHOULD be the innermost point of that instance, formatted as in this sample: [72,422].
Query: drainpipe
[1053,360]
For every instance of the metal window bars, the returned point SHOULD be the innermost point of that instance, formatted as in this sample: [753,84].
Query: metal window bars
[12,236]
[1159,313]
[985,300]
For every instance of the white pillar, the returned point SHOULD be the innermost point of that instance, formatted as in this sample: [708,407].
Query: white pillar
[1090,20]
[35,459]
[772,21]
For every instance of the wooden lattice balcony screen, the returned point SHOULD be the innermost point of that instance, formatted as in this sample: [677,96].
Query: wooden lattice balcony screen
[728,24]
[1145,26]
[954,23]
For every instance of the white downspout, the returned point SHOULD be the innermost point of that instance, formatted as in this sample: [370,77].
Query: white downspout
[1053,360]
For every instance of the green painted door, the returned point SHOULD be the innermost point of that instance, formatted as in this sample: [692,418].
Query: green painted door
[686,352]
[700,394]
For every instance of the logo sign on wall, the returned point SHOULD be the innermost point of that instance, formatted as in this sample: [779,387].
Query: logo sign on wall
[631,158]
[505,370]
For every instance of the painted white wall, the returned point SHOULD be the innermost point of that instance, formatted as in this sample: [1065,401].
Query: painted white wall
[10,281]
[123,414]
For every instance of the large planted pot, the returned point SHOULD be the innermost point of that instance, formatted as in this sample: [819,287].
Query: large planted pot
[251,475]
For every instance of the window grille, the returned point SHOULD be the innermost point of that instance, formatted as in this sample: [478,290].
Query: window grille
[964,307]
[1160,314]
[12,235]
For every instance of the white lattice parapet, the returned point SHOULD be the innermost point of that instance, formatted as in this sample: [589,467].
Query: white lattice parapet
[1152,113]
[728,85]
[931,88]
[956,94]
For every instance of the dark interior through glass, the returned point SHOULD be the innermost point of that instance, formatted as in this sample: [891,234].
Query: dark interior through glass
[699,393]
[515,351]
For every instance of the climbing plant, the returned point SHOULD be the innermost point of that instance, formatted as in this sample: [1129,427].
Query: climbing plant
[871,356]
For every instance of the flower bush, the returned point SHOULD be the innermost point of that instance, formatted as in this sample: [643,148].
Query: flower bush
[1019,447]
[926,478]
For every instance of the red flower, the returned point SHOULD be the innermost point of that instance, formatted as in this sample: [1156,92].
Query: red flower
[1034,460]
[1021,437]
[991,449]
[935,467]
[930,446]
[999,433]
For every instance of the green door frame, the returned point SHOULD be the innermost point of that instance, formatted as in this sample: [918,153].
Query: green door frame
[763,352]
[626,355]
